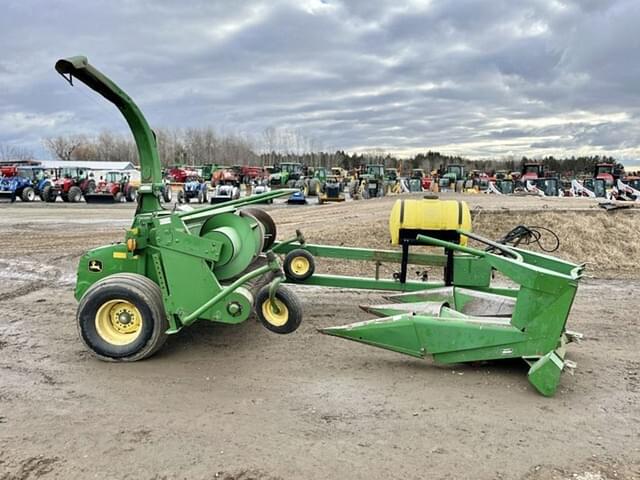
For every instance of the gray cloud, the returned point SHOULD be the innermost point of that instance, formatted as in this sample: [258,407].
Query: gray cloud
[472,77]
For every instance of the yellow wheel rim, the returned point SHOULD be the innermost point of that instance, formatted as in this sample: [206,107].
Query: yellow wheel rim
[118,322]
[300,265]
[279,318]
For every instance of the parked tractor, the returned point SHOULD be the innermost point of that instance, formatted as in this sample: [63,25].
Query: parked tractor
[179,174]
[415,181]
[226,185]
[332,191]
[531,171]
[286,176]
[70,184]
[17,182]
[341,174]
[250,174]
[609,172]
[314,185]
[478,181]
[194,187]
[112,187]
[370,184]
[391,180]
[452,178]
[225,176]
[40,178]
[225,193]
[425,179]
[260,187]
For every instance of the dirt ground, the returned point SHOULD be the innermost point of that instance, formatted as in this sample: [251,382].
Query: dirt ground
[238,402]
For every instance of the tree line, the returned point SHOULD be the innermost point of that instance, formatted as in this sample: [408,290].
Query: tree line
[199,146]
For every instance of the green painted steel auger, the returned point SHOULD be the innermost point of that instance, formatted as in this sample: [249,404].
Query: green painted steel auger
[174,267]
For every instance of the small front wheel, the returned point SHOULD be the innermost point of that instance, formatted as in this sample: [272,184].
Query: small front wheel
[283,315]
[298,265]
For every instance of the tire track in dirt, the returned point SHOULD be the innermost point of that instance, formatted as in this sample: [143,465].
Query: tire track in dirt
[32,467]
[22,291]
[38,275]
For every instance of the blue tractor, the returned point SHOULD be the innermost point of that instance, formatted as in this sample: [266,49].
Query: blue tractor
[194,187]
[42,180]
[17,182]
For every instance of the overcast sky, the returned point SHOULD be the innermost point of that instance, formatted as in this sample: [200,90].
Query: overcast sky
[478,78]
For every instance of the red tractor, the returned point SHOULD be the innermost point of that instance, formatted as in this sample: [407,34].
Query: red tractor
[8,170]
[70,184]
[532,171]
[113,187]
[609,172]
[179,174]
[249,174]
[225,176]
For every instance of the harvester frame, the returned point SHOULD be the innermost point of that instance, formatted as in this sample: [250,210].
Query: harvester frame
[175,267]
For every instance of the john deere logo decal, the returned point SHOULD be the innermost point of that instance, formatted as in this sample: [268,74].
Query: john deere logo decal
[95,266]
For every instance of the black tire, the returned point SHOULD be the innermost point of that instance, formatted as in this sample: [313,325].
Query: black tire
[75,194]
[132,194]
[48,194]
[292,317]
[64,196]
[167,195]
[28,194]
[145,295]
[205,196]
[314,187]
[298,265]
[118,197]
[267,222]
[182,197]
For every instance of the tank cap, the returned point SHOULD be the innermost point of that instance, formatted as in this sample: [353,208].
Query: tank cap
[430,196]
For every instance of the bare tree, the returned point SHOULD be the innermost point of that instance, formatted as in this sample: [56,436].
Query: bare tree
[10,152]
[63,147]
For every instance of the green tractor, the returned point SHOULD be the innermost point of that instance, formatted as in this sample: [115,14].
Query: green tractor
[315,184]
[371,183]
[174,267]
[288,175]
[453,178]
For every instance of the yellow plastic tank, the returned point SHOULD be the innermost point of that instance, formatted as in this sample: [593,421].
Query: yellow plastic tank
[432,217]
